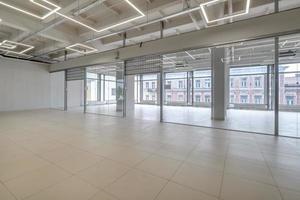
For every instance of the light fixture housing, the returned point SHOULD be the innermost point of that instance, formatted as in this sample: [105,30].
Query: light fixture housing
[51,10]
[9,46]
[76,47]
[204,5]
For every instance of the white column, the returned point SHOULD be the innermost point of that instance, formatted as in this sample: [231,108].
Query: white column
[129,95]
[220,83]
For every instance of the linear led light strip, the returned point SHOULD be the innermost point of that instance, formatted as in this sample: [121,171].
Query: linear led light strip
[34,15]
[190,55]
[90,49]
[222,18]
[147,23]
[12,45]
[57,8]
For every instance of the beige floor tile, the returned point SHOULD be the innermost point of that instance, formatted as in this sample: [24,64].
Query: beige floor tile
[103,173]
[160,166]
[136,185]
[290,195]
[235,188]
[61,153]
[288,179]
[129,156]
[101,195]
[205,159]
[79,162]
[199,178]
[32,182]
[174,151]
[15,168]
[5,194]
[174,191]
[70,189]
[250,170]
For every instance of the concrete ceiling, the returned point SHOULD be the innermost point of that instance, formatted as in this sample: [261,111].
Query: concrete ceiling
[88,22]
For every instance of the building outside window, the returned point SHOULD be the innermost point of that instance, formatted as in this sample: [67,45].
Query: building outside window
[244,99]
[198,98]
[169,97]
[198,84]
[257,82]
[290,100]
[207,83]
[153,85]
[244,82]
[180,84]
[258,99]
[180,97]
[207,98]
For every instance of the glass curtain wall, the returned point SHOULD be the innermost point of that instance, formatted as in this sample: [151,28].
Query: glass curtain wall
[146,91]
[105,88]
[146,94]
[288,4]
[250,95]
[289,86]
[187,87]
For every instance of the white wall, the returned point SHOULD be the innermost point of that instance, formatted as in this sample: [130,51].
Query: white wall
[24,85]
[57,81]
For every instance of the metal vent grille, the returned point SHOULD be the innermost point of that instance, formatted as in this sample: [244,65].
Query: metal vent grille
[75,74]
[143,65]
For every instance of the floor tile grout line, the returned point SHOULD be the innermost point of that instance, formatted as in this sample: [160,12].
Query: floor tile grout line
[277,186]
[223,174]
[8,190]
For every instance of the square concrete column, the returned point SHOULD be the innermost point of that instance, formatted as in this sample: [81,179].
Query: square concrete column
[130,95]
[119,89]
[220,83]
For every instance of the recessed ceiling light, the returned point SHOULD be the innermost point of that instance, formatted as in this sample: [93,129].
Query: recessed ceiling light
[10,45]
[203,5]
[56,8]
[87,49]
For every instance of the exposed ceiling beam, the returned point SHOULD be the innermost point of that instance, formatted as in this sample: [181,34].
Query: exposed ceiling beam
[260,27]
[26,24]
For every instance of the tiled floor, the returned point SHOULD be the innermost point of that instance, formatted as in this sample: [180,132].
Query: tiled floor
[260,121]
[56,155]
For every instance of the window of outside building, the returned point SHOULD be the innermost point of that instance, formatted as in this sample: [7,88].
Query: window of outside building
[244,98]
[231,99]
[147,85]
[258,99]
[244,82]
[257,82]
[153,97]
[169,97]
[180,84]
[198,83]
[180,97]
[147,97]
[290,100]
[207,98]
[198,98]
[207,83]
[153,85]
[231,82]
